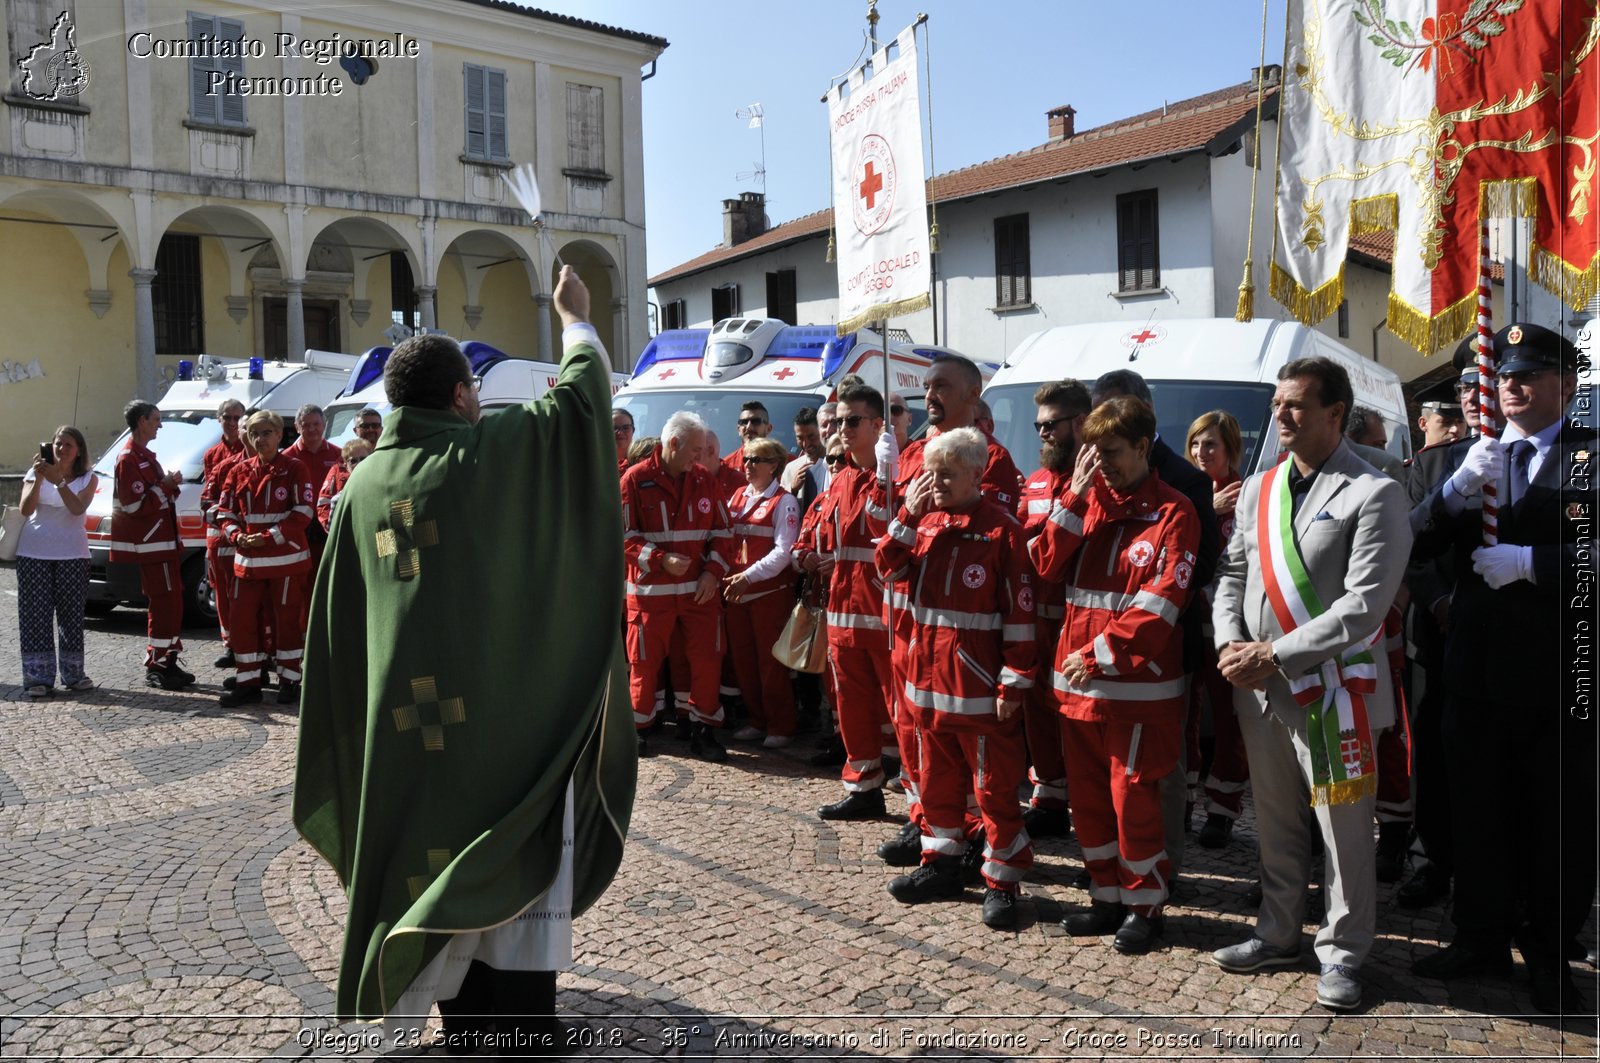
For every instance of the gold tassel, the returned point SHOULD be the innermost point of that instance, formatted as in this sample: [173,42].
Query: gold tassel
[1514,198]
[1247,294]
[1575,287]
[884,311]
[1374,214]
[1307,307]
[1347,792]
[829,257]
[933,238]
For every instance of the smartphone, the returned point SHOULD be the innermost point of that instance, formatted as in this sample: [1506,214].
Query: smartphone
[47,453]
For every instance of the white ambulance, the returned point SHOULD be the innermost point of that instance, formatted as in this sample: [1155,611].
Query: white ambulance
[503,380]
[189,428]
[1192,366]
[712,372]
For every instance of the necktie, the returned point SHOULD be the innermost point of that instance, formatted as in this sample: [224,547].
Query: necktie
[1521,455]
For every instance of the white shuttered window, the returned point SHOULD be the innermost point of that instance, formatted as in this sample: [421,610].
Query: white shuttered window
[215,107]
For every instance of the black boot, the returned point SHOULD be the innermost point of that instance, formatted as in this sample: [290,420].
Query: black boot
[1217,832]
[830,756]
[972,862]
[1047,822]
[249,695]
[1392,841]
[857,804]
[1139,933]
[939,880]
[703,743]
[999,909]
[225,661]
[1101,917]
[904,849]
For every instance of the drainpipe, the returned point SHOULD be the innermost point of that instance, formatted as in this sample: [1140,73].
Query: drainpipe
[1375,330]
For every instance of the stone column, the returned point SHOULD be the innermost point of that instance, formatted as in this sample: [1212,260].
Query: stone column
[619,333]
[144,334]
[545,302]
[425,294]
[294,320]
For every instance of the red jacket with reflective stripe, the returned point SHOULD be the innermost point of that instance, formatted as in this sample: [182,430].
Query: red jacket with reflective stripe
[275,497]
[1033,509]
[969,589]
[332,488]
[218,460]
[1128,563]
[663,514]
[755,533]
[144,521]
[855,593]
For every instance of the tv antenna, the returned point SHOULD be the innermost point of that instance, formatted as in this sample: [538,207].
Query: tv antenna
[759,174]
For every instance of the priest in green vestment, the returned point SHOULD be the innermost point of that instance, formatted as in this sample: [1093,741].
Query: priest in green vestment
[466,754]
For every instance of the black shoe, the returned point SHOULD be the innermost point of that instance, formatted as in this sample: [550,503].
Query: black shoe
[703,743]
[999,909]
[1463,959]
[972,863]
[1047,822]
[1555,994]
[644,747]
[1101,917]
[167,677]
[233,681]
[1391,860]
[239,696]
[1139,933]
[1428,886]
[1217,832]
[685,729]
[225,661]
[174,670]
[288,693]
[904,849]
[930,882]
[1081,881]
[832,756]
[857,804]
[891,767]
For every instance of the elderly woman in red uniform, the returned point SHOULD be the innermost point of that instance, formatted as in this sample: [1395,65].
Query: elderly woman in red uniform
[264,510]
[969,661]
[1125,543]
[760,594]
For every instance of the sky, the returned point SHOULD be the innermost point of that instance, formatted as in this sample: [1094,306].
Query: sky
[992,80]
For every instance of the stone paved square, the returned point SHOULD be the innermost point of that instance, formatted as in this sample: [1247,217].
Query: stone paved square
[156,903]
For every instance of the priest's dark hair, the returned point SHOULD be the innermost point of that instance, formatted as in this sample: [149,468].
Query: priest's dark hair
[424,371]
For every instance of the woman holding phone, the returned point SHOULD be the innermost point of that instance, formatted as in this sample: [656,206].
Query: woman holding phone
[53,564]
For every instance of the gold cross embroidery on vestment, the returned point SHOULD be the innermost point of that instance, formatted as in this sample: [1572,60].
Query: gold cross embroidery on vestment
[438,860]
[405,538]
[425,696]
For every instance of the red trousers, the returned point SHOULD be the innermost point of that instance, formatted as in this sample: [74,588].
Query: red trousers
[650,637]
[753,629]
[863,688]
[959,768]
[219,570]
[163,589]
[1394,804]
[282,599]
[1230,770]
[1116,771]
[1041,718]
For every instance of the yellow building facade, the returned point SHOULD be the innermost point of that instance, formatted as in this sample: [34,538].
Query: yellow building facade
[179,179]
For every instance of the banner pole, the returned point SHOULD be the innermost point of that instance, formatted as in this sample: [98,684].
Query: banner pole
[888,426]
[1488,396]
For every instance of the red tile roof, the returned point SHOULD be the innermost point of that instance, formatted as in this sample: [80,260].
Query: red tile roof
[1377,248]
[1178,129]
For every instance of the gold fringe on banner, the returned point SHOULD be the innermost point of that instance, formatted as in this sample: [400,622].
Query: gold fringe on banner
[1427,334]
[1347,792]
[1575,287]
[1513,198]
[1375,214]
[884,311]
[1247,295]
[1307,307]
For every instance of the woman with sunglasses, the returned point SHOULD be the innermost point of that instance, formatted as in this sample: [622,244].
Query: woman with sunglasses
[219,461]
[351,454]
[760,594]
[53,565]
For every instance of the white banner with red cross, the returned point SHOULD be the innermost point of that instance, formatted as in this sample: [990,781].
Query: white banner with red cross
[880,189]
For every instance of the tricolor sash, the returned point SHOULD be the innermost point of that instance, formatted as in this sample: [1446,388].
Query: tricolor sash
[1343,767]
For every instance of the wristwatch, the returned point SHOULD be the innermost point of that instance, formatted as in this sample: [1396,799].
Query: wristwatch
[1275,662]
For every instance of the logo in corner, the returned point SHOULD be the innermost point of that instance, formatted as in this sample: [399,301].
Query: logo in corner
[56,70]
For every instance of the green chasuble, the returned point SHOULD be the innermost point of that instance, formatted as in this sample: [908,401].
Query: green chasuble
[462,663]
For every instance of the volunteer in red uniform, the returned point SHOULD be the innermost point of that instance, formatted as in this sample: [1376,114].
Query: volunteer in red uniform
[320,457]
[952,388]
[1125,543]
[678,542]
[1061,408]
[967,666]
[754,423]
[1216,446]
[622,429]
[144,532]
[760,593]
[219,555]
[858,639]
[265,510]
[350,455]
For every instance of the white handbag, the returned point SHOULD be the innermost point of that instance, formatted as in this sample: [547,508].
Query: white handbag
[11,522]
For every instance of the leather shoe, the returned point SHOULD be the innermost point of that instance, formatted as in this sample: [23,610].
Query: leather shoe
[239,696]
[1217,832]
[832,756]
[225,661]
[1101,917]
[644,746]
[288,693]
[1338,989]
[858,804]
[904,849]
[703,743]
[930,882]
[999,909]
[1428,886]
[1555,994]
[1139,933]
[1463,959]
[1047,822]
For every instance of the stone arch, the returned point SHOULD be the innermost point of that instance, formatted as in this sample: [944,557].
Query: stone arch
[597,267]
[233,240]
[96,231]
[360,246]
[488,288]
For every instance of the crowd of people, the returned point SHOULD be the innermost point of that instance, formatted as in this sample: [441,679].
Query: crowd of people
[1075,627]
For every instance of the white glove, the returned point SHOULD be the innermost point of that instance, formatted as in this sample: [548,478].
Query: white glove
[887,451]
[1503,564]
[1483,464]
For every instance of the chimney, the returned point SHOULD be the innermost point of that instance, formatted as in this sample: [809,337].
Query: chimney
[1061,122]
[1271,75]
[744,218]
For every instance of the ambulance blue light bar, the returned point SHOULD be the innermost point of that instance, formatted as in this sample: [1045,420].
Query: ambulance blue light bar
[368,370]
[258,368]
[185,369]
[673,345]
[835,353]
[482,356]
[801,341]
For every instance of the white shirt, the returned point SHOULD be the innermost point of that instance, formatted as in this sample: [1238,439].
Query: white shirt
[53,532]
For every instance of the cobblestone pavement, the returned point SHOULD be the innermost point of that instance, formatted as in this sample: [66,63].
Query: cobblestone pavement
[157,903]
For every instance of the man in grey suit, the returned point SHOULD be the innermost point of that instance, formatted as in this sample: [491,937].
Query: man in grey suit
[1349,523]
